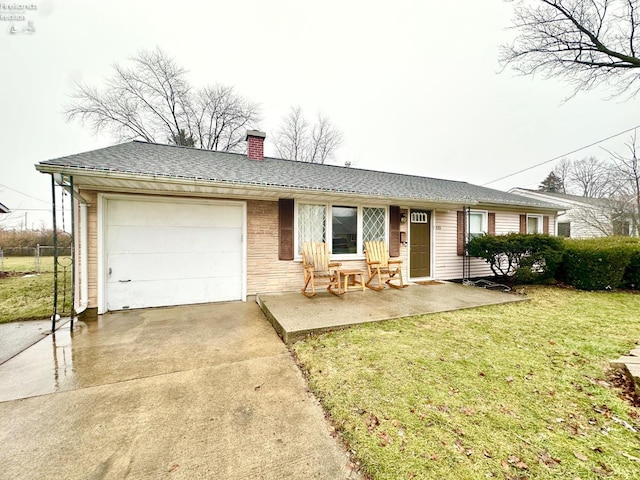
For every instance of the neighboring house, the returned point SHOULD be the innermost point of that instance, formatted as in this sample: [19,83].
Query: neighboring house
[160,225]
[4,209]
[584,217]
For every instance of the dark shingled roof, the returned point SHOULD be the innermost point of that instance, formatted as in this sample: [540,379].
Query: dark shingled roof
[168,161]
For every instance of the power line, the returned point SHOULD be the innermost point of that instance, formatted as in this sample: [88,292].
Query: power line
[22,193]
[560,156]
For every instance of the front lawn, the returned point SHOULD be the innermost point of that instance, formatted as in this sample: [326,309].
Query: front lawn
[28,295]
[518,391]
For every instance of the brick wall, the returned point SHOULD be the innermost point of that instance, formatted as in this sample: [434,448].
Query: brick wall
[255,148]
[265,273]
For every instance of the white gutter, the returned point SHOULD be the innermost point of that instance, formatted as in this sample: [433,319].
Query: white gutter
[82,301]
[277,190]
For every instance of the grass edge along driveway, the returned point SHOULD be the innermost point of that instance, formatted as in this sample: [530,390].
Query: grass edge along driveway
[514,391]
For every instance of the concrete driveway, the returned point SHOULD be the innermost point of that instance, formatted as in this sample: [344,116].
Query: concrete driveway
[206,391]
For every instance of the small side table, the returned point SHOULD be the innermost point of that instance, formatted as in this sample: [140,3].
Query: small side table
[353,280]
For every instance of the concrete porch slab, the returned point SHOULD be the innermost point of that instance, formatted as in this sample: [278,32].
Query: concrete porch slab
[293,315]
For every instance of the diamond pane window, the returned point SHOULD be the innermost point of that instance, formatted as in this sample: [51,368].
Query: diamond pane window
[372,224]
[311,224]
[344,227]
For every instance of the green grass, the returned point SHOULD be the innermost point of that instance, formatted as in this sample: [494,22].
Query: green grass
[30,297]
[514,391]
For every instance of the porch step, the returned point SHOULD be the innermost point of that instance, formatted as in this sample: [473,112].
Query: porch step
[630,364]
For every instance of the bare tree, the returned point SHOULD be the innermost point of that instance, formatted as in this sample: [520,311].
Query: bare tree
[561,171]
[297,140]
[591,177]
[601,216]
[153,100]
[626,177]
[218,118]
[611,189]
[587,43]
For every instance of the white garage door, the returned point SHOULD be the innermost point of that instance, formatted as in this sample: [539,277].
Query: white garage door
[162,252]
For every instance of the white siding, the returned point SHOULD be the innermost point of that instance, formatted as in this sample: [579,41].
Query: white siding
[448,264]
[580,228]
[507,222]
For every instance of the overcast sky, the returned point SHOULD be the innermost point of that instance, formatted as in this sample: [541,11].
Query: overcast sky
[415,86]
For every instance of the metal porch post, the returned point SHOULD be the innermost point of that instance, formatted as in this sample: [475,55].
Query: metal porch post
[55,257]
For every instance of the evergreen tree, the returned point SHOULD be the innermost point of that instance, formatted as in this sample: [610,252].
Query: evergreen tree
[552,184]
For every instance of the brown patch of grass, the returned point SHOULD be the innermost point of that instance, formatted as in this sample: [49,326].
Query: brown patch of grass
[511,391]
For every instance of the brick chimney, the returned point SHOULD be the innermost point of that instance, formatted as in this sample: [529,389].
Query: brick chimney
[255,144]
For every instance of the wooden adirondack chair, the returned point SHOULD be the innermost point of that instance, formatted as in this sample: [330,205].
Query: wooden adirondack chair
[316,265]
[379,265]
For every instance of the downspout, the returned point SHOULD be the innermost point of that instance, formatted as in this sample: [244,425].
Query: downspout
[81,283]
[84,261]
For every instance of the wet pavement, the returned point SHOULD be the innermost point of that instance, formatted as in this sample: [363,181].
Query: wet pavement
[17,336]
[205,391]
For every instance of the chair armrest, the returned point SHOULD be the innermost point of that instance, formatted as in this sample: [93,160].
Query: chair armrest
[394,261]
[335,264]
[373,262]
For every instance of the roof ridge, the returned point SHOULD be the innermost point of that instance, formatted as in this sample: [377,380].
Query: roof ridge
[206,150]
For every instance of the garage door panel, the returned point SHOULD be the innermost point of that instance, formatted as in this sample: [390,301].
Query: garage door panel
[149,213]
[148,239]
[161,293]
[160,266]
[168,252]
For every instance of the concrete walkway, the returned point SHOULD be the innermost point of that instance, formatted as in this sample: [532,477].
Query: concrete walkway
[206,391]
[630,365]
[293,315]
[15,337]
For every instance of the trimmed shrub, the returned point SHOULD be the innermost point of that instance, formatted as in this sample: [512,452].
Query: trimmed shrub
[631,277]
[596,264]
[525,258]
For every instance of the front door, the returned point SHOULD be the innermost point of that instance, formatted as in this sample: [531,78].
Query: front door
[420,244]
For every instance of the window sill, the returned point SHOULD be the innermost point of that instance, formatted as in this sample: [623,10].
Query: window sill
[339,257]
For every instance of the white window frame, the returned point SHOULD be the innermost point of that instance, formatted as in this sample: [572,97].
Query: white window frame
[540,220]
[485,223]
[359,255]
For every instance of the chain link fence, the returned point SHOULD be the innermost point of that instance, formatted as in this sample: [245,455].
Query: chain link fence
[32,259]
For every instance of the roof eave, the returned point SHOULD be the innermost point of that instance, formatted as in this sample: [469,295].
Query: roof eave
[283,190]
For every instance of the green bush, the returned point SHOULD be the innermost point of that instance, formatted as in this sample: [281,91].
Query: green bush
[598,263]
[525,258]
[631,277]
